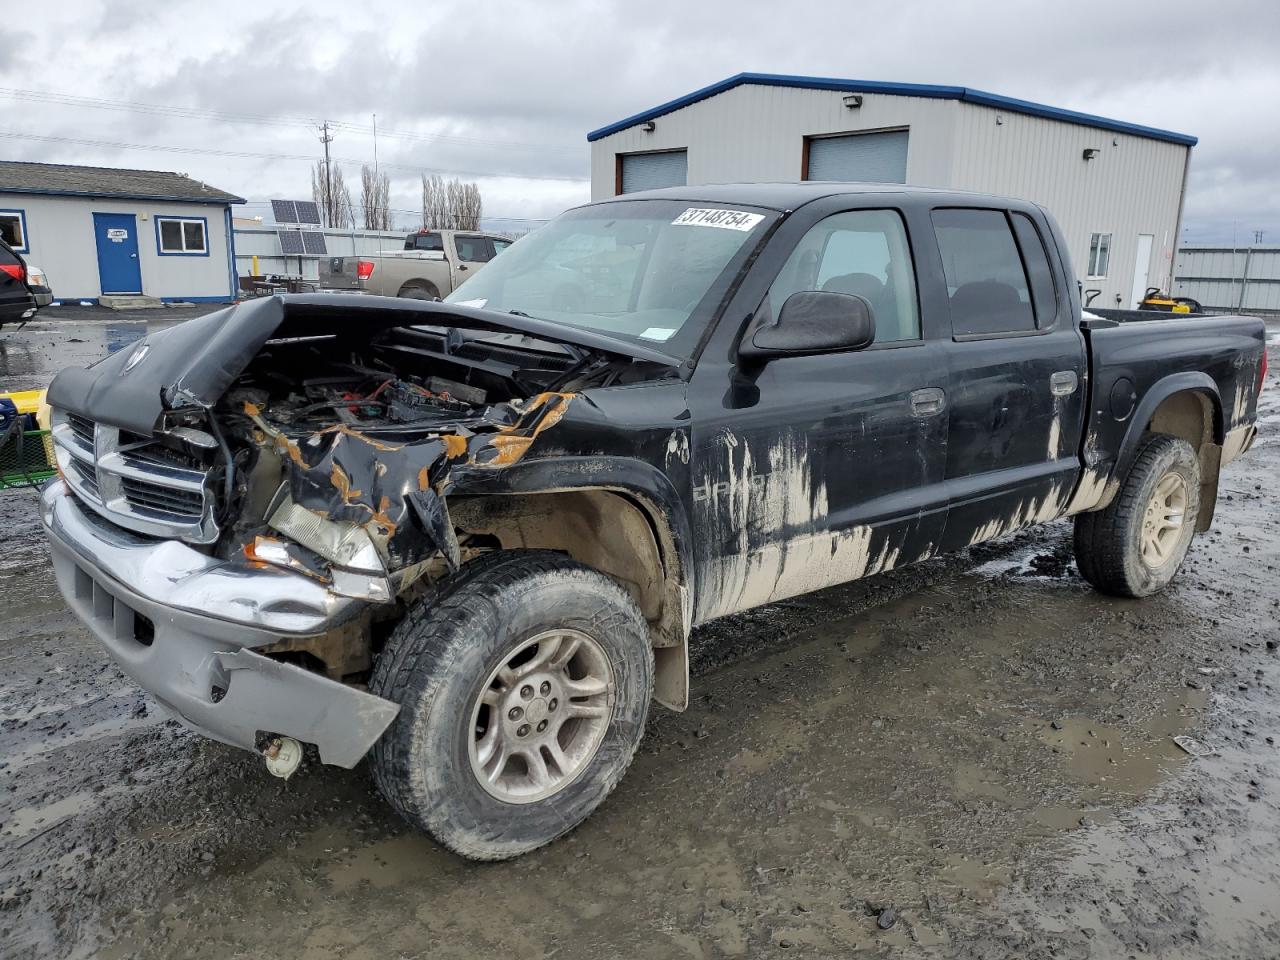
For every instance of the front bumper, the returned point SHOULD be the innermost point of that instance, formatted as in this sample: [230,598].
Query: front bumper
[183,625]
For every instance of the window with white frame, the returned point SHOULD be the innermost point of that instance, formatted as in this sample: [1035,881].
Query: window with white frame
[13,229]
[1099,255]
[182,236]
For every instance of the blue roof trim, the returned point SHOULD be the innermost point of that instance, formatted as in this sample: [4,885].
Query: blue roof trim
[934,91]
[98,195]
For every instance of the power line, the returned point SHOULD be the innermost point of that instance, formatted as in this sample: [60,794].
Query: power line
[253,155]
[220,116]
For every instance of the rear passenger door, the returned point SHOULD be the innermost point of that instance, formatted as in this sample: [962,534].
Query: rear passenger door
[1016,368]
[473,253]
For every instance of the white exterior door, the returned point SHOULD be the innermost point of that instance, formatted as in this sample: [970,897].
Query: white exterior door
[1141,270]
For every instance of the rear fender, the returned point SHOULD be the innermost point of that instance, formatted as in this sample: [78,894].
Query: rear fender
[1208,447]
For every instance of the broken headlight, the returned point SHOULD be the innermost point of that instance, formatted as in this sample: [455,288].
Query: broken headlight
[358,570]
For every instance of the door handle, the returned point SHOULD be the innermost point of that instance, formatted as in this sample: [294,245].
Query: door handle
[1064,383]
[927,402]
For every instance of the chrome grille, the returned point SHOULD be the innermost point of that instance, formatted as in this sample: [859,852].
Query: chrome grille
[133,480]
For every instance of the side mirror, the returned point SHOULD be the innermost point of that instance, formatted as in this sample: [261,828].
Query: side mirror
[814,321]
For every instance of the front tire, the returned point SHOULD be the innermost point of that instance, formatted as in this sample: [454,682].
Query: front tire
[524,684]
[1136,545]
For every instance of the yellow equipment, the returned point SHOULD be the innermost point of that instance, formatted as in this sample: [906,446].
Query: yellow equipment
[1157,299]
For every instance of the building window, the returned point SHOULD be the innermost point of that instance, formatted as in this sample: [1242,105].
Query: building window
[13,229]
[182,237]
[1099,255]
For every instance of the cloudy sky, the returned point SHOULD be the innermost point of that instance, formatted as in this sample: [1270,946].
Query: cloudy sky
[504,93]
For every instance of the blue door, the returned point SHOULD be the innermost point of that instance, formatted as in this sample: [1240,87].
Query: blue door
[117,238]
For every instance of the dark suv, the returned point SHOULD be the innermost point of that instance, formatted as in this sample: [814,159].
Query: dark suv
[17,305]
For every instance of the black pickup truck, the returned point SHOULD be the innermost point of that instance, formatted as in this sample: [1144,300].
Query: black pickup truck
[472,537]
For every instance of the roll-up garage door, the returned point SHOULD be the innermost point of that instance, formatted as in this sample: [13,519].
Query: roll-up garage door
[874,157]
[650,171]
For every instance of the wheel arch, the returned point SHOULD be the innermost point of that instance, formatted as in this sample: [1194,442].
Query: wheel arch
[1188,406]
[419,283]
[621,517]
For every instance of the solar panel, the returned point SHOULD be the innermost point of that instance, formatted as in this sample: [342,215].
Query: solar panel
[313,243]
[284,211]
[308,212]
[291,243]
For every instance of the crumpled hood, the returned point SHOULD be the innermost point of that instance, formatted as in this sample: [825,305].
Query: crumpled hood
[195,362]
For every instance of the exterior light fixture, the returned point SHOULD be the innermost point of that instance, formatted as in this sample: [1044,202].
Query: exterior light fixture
[1090,152]
[649,126]
[853,101]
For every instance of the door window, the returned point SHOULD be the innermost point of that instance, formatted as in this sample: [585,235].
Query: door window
[473,249]
[862,252]
[1044,294]
[986,282]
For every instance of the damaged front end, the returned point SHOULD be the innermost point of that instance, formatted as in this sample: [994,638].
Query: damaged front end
[281,470]
[362,502]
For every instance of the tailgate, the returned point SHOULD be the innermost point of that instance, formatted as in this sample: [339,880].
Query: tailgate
[340,273]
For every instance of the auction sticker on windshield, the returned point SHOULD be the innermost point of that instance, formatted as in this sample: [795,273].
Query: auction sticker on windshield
[724,219]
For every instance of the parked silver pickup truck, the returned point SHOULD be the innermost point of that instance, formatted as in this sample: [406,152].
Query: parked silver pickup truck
[431,264]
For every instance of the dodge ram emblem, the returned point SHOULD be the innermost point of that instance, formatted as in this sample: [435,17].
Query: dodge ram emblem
[137,357]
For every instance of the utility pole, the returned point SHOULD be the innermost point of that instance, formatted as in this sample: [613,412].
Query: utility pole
[375,144]
[326,138]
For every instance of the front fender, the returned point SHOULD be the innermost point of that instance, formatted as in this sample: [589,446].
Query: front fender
[643,482]
[654,497]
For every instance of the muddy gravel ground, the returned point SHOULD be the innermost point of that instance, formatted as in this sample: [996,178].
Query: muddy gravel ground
[978,749]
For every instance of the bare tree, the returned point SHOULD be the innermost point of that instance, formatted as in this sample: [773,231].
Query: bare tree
[470,207]
[450,204]
[331,195]
[375,197]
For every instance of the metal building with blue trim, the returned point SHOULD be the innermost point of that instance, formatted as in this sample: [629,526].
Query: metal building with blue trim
[107,232]
[1117,188]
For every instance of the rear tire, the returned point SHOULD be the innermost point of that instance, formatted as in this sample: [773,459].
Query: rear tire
[498,750]
[1136,545]
[416,290]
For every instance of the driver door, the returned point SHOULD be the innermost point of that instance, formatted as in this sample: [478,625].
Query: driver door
[811,471]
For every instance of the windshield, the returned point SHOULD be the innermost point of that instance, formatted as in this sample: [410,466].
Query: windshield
[648,270]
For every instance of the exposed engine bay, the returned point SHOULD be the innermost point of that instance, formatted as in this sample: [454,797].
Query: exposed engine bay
[331,456]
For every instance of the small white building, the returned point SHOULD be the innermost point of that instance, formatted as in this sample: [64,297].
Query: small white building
[1116,188]
[99,231]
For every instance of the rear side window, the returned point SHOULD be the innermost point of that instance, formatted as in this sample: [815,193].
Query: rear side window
[986,283]
[1044,295]
[473,249]
[8,258]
